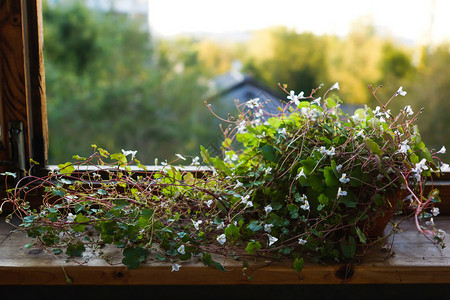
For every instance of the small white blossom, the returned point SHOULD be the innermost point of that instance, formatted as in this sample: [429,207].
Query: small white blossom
[222,239]
[253,103]
[404,147]
[302,173]
[377,112]
[70,217]
[430,222]
[128,152]
[305,206]
[197,223]
[272,240]
[242,127]
[293,98]
[221,225]
[420,166]
[344,178]
[175,267]
[268,227]
[238,185]
[400,92]
[316,101]
[195,161]
[435,211]
[444,167]
[440,234]
[246,201]
[180,156]
[181,250]
[341,192]
[301,241]
[87,254]
[360,133]
[408,110]
[442,151]
[268,171]
[335,86]
[209,202]
[339,168]
[268,209]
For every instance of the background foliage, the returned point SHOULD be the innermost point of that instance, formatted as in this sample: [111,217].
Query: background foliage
[110,83]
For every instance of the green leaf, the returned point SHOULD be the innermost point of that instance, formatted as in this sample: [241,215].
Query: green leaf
[145,217]
[361,235]
[372,146]
[330,177]
[208,261]
[66,168]
[254,226]
[298,264]
[269,153]
[133,256]
[75,250]
[348,247]
[232,232]
[205,155]
[252,247]
[80,219]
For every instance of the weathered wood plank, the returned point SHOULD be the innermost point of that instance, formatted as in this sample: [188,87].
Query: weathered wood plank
[415,261]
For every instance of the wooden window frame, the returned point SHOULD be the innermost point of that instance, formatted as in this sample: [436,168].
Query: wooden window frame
[22,86]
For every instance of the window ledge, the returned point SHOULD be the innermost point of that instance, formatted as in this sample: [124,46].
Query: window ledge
[416,260]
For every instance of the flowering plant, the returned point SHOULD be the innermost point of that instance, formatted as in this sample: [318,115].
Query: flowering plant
[306,182]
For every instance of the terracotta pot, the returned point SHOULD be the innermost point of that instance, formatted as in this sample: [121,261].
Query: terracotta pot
[375,224]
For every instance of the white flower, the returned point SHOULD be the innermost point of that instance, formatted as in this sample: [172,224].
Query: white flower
[335,86]
[238,185]
[221,225]
[420,166]
[181,250]
[242,127]
[344,178]
[330,152]
[377,112]
[268,171]
[268,227]
[301,241]
[293,98]
[444,167]
[317,101]
[180,156]
[408,110]
[339,168]
[440,234]
[268,209]
[301,95]
[356,118]
[222,239]
[400,92]
[246,201]
[341,192]
[435,211]
[360,133]
[87,254]
[430,222]
[305,206]
[209,202]
[272,240]
[175,267]
[195,161]
[197,224]
[70,217]
[404,147]
[442,151]
[302,173]
[259,113]
[253,103]
[128,152]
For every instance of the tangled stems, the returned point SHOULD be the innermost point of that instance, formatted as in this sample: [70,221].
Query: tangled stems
[308,182]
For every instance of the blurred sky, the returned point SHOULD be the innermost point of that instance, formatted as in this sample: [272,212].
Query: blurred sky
[413,21]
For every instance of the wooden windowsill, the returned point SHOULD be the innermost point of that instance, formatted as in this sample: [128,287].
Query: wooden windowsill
[415,260]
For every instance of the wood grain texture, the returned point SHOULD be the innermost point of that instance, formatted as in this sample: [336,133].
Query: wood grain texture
[415,261]
[22,88]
